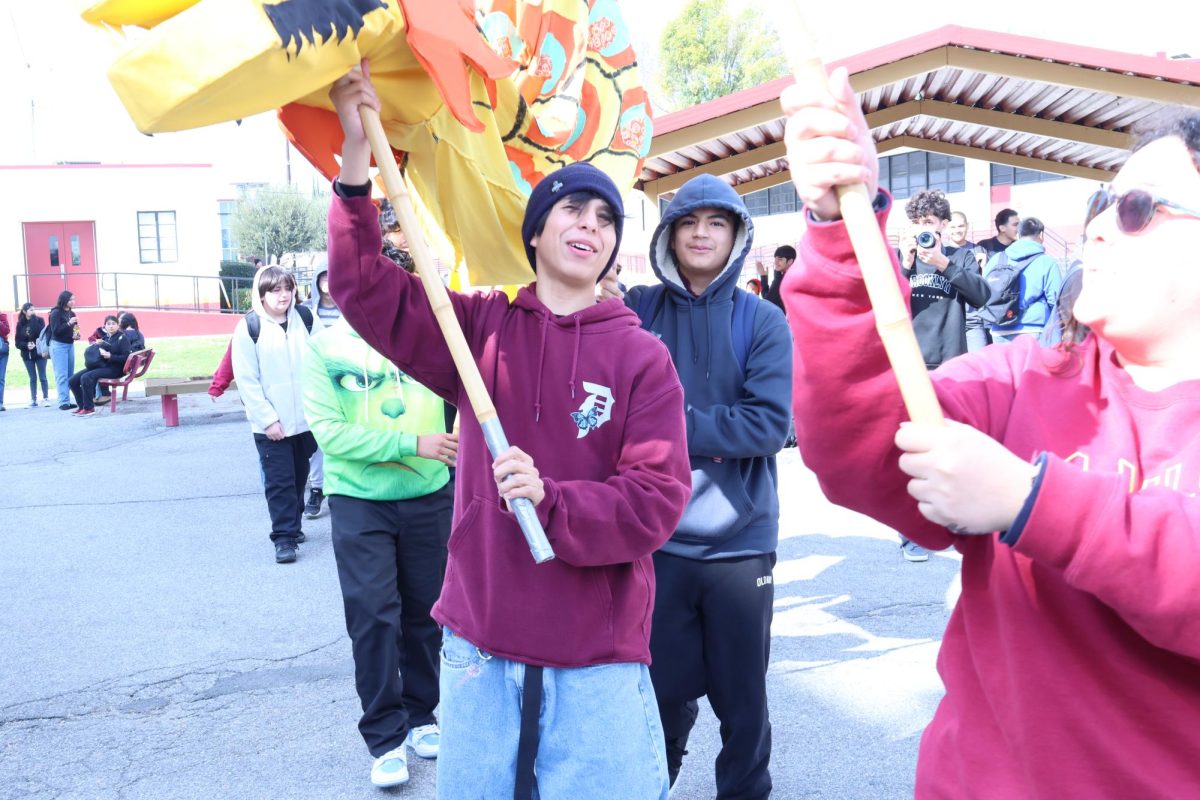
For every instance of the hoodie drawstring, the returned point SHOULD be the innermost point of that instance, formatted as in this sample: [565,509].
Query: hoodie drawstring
[537,404]
[708,333]
[575,361]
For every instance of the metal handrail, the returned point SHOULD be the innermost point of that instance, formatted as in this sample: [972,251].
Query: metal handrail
[228,292]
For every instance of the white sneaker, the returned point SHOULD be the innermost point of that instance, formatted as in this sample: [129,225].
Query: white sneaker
[425,740]
[390,769]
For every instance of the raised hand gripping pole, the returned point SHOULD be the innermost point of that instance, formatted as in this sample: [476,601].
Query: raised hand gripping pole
[439,300]
[892,317]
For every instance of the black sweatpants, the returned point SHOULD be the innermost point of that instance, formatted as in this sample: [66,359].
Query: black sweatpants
[391,558]
[83,383]
[285,471]
[711,635]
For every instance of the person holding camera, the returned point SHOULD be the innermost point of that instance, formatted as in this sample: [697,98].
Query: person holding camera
[944,280]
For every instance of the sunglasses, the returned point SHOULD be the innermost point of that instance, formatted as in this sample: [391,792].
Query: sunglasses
[1135,208]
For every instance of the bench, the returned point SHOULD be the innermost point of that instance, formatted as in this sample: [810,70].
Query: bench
[171,388]
[136,364]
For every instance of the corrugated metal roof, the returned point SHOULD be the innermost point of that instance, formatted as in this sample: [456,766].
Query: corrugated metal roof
[977,94]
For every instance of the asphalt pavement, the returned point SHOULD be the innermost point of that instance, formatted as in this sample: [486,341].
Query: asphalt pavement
[152,648]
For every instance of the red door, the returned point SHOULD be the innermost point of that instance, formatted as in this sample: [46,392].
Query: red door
[61,255]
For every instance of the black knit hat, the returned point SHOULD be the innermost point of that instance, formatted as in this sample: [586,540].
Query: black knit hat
[578,177]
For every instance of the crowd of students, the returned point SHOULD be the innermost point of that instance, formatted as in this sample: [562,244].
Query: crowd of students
[40,341]
[648,420]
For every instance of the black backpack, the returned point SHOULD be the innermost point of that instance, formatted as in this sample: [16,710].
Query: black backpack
[1004,281]
[254,324]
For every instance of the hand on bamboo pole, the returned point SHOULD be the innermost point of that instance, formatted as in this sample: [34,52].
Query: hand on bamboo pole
[834,166]
[358,105]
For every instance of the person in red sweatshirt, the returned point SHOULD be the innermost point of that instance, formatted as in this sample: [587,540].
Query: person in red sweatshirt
[1066,478]
[596,410]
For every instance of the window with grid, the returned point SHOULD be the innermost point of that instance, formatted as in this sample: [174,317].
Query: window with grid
[909,173]
[156,237]
[225,210]
[1003,175]
[776,200]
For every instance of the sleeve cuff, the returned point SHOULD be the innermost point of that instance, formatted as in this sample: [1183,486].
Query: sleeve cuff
[354,190]
[829,237]
[1010,536]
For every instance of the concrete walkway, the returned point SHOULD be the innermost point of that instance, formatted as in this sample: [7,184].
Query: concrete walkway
[153,649]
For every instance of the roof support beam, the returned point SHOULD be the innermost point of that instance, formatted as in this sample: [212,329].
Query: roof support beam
[723,166]
[1000,120]
[1087,78]
[995,157]
[765,182]
[763,113]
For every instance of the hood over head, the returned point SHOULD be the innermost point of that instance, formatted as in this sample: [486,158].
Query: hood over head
[704,191]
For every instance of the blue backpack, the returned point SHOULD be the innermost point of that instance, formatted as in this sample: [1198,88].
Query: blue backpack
[745,307]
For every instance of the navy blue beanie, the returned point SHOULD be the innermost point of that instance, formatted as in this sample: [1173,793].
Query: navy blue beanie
[578,177]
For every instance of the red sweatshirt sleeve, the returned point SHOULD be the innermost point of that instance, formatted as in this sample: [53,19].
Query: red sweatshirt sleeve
[633,513]
[846,400]
[4,328]
[224,374]
[1138,553]
[387,306]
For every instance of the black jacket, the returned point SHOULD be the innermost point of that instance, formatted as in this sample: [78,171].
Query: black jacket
[28,330]
[118,347]
[770,289]
[136,340]
[939,304]
[60,330]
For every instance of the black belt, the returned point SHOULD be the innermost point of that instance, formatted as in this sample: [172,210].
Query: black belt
[527,744]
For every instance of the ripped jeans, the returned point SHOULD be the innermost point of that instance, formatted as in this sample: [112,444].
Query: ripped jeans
[600,732]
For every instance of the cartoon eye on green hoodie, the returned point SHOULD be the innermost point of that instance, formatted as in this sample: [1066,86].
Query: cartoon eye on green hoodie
[366,415]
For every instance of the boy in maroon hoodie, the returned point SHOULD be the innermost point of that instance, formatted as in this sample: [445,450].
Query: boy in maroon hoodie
[596,409]
[1072,659]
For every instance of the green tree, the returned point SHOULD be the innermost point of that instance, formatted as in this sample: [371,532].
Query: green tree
[707,53]
[279,220]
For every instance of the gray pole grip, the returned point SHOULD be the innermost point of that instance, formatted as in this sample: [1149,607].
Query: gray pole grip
[531,526]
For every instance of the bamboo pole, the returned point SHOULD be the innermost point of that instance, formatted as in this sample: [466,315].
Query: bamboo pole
[439,300]
[892,317]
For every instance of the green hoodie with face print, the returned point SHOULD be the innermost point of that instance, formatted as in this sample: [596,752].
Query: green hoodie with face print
[366,415]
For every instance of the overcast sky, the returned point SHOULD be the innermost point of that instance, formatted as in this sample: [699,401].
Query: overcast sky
[53,67]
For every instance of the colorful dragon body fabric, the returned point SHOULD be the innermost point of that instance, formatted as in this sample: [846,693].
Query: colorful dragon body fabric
[479,103]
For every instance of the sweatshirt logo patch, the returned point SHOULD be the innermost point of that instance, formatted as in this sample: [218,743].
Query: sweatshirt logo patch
[595,410]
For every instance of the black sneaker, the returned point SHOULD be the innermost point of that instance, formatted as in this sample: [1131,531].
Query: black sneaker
[285,552]
[67,407]
[312,509]
[301,538]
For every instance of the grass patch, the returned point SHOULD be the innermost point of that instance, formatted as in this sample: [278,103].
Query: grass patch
[174,357]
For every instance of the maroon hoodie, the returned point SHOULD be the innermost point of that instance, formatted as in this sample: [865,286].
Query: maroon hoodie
[593,399]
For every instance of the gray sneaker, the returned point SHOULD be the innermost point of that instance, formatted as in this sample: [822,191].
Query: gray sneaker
[913,552]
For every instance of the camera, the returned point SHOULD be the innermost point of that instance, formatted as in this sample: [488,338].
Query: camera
[926,240]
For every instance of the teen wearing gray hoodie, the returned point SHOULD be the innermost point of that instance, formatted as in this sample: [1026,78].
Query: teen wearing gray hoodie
[324,307]
[711,631]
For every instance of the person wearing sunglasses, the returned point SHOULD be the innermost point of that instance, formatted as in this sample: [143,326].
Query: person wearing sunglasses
[1065,477]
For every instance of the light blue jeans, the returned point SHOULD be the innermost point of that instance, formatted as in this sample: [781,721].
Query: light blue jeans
[3,370]
[62,356]
[600,732]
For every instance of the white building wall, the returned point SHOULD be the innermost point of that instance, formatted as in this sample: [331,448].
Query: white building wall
[111,197]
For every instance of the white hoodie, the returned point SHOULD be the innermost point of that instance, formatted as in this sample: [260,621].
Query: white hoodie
[270,376]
